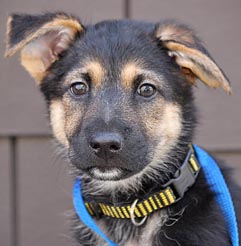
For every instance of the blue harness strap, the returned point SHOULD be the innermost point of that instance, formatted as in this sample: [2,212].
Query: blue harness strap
[218,185]
[215,180]
[83,213]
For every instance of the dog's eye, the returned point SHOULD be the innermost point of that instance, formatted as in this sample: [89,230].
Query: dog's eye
[146,90]
[79,88]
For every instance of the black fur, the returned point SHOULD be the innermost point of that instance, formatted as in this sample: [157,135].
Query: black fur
[196,219]
[22,25]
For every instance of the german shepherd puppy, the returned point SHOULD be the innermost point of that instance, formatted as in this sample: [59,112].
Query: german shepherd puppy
[121,107]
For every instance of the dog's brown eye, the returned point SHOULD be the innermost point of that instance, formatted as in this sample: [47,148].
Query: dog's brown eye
[79,88]
[146,90]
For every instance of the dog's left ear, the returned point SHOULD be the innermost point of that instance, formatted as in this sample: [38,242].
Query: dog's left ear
[186,49]
[41,39]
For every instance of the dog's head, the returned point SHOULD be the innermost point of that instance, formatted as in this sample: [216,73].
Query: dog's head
[119,92]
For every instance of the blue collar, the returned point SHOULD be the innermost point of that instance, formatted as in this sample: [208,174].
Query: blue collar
[216,183]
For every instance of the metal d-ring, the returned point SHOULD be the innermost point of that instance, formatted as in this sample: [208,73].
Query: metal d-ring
[132,215]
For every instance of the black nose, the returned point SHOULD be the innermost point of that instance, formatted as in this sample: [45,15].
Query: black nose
[106,143]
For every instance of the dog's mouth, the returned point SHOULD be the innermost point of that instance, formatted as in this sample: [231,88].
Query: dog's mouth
[107,173]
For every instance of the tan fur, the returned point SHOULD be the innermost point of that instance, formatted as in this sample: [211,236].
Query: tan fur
[191,78]
[195,61]
[164,121]
[33,63]
[167,127]
[73,115]
[170,125]
[195,64]
[65,117]
[33,51]
[131,70]
[8,34]
[59,22]
[174,32]
[129,73]
[57,121]
[96,72]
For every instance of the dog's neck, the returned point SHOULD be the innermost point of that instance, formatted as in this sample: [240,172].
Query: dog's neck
[114,192]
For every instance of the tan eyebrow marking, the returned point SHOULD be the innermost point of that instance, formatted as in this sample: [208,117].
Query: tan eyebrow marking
[96,72]
[128,74]
[93,68]
[131,70]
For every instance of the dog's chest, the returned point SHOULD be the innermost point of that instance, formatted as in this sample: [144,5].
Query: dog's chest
[149,231]
[145,235]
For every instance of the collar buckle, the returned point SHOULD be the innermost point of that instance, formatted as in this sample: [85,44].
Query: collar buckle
[185,177]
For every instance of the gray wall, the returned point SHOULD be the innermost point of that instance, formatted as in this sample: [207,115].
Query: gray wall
[35,188]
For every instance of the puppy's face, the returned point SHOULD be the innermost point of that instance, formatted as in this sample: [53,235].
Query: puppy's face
[117,102]
[119,93]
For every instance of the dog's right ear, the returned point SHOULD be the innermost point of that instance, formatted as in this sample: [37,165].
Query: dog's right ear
[41,39]
[188,52]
